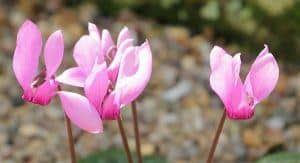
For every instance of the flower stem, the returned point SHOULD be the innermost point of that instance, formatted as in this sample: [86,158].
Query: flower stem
[70,140]
[216,138]
[124,140]
[136,132]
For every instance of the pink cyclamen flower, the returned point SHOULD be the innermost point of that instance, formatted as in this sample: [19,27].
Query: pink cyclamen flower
[240,99]
[112,76]
[37,88]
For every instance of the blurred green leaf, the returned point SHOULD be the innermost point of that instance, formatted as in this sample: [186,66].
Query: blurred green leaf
[282,157]
[117,156]
[210,11]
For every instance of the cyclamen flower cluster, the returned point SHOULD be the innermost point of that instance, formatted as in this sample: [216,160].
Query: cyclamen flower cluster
[111,75]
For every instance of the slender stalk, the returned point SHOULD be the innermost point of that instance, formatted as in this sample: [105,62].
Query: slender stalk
[70,140]
[136,132]
[124,140]
[216,138]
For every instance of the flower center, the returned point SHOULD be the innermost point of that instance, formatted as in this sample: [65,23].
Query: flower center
[250,100]
[39,79]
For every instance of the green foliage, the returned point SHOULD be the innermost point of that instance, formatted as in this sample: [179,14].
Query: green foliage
[117,156]
[280,158]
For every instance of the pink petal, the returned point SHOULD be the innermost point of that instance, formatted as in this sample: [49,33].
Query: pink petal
[134,74]
[81,112]
[107,43]
[96,85]
[123,35]
[236,65]
[111,107]
[85,53]
[27,52]
[54,51]
[45,92]
[224,78]
[72,76]
[263,76]
[94,32]
[113,68]
[216,57]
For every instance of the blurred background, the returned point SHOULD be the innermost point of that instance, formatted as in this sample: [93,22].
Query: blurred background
[178,112]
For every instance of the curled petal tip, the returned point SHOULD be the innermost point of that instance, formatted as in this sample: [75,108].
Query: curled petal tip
[134,74]
[123,35]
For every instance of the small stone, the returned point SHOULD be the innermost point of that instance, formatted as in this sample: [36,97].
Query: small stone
[168,119]
[275,123]
[178,35]
[180,90]
[252,138]
[188,63]
[149,110]
[28,130]
[147,149]
[168,74]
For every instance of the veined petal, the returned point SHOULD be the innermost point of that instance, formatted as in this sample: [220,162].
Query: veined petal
[94,33]
[72,76]
[111,107]
[113,68]
[85,52]
[134,74]
[54,51]
[81,112]
[263,76]
[27,52]
[96,85]
[123,35]
[107,43]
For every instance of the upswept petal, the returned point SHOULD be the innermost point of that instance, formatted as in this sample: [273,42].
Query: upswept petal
[54,51]
[216,57]
[237,93]
[113,68]
[96,85]
[81,112]
[123,35]
[45,92]
[72,76]
[263,76]
[27,52]
[236,66]
[94,32]
[107,44]
[223,78]
[85,52]
[134,74]
[111,108]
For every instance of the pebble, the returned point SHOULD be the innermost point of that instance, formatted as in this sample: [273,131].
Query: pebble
[181,89]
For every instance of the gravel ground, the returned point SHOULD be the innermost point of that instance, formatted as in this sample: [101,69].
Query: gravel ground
[178,112]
